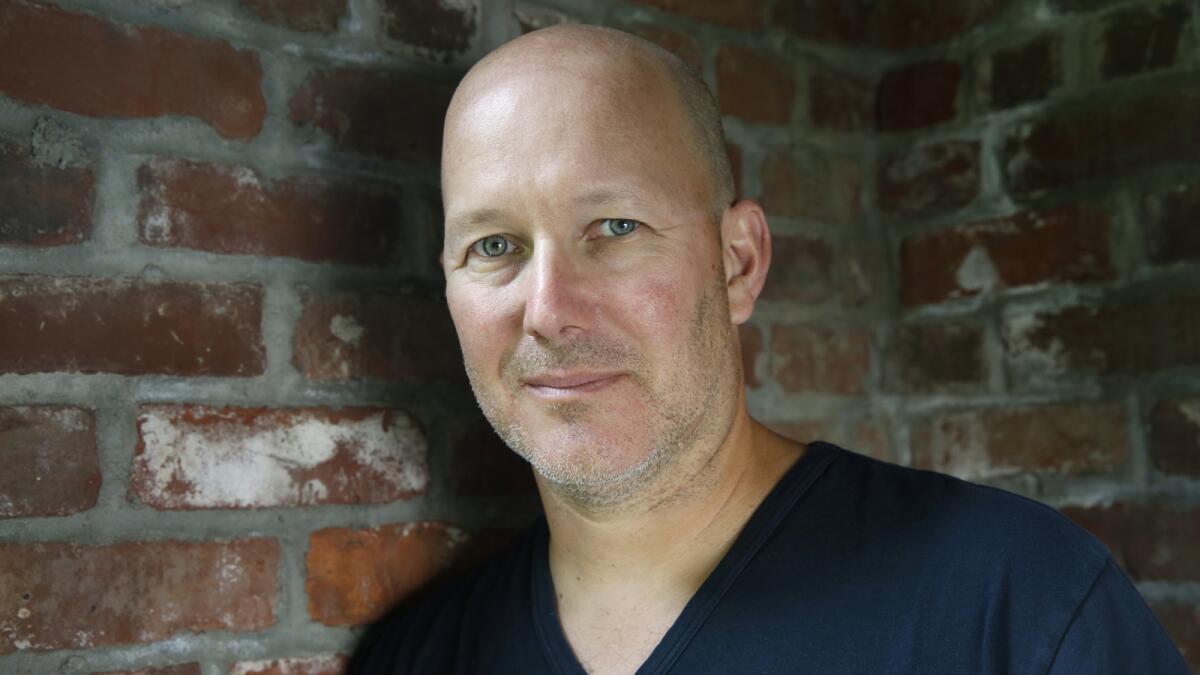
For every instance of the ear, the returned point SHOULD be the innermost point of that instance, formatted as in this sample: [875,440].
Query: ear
[746,253]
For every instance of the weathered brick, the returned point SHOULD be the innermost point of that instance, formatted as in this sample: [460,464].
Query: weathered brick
[1123,337]
[1025,72]
[815,358]
[356,575]
[1151,541]
[312,16]
[392,115]
[380,336]
[191,457]
[225,208]
[43,204]
[1079,5]
[49,459]
[443,28]
[677,42]
[133,592]
[929,178]
[1142,38]
[1169,217]
[131,327]
[806,182]
[751,339]
[906,24]
[481,464]
[745,15]
[918,95]
[1105,138]
[1175,437]
[801,269]
[88,66]
[935,357]
[840,101]
[1062,438]
[334,664]
[840,23]
[1182,622]
[1065,244]
[754,85]
[184,669]
[530,17]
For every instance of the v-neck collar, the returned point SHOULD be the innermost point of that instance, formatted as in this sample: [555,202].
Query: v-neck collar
[762,523]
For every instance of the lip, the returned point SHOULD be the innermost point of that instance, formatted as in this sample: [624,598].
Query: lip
[568,384]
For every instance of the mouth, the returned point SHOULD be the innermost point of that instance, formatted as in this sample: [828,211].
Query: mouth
[557,386]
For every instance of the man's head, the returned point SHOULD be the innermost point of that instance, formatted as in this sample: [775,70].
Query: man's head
[595,267]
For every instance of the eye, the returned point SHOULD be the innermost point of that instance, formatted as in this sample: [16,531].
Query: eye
[618,227]
[492,246]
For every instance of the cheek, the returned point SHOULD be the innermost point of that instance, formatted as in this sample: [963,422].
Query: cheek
[483,319]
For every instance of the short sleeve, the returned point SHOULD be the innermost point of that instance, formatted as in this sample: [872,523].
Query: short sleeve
[1113,631]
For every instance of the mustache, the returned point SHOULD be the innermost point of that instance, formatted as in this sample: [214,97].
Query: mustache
[532,357]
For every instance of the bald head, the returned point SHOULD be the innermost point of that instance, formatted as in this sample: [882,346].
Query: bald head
[610,67]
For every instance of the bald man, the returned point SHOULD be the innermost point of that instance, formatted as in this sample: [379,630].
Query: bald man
[597,265]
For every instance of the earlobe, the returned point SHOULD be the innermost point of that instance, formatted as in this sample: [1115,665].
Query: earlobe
[746,252]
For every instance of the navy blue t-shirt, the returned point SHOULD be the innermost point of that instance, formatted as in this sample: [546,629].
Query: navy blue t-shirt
[850,565]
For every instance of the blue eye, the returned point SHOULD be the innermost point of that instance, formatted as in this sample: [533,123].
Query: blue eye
[618,227]
[491,247]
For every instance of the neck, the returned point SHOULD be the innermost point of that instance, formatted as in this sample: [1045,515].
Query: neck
[662,548]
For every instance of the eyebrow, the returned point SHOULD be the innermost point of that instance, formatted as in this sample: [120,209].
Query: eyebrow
[459,226]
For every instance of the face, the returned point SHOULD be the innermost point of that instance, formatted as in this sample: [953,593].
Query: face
[584,276]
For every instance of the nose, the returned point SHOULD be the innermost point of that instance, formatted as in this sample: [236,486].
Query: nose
[557,301]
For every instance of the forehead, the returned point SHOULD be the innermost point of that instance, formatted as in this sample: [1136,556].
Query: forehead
[558,130]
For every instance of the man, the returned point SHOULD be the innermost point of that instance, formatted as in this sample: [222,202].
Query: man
[596,267]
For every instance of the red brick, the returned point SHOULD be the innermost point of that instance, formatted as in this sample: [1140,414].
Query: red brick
[677,42]
[445,28]
[1182,622]
[311,16]
[133,592]
[1175,437]
[1141,39]
[820,358]
[1061,438]
[354,576]
[751,340]
[1129,336]
[482,464]
[906,24]
[807,183]
[1080,5]
[44,205]
[84,65]
[918,95]
[929,178]
[130,327]
[831,21]
[392,115]
[935,357]
[1065,244]
[380,336]
[840,101]
[744,15]
[1170,216]
[49,459]
[801,270]
[334,664]
[1104,138]
[185,669]
[1026,72]
[224,208]
[1151,542]
[194,457]
[754,85]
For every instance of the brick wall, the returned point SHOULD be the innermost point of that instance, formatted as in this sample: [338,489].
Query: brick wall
[233,426]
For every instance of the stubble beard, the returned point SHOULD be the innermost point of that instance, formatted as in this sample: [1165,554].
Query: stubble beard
[681,421]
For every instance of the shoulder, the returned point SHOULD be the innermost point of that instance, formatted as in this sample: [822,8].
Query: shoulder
[428,631]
